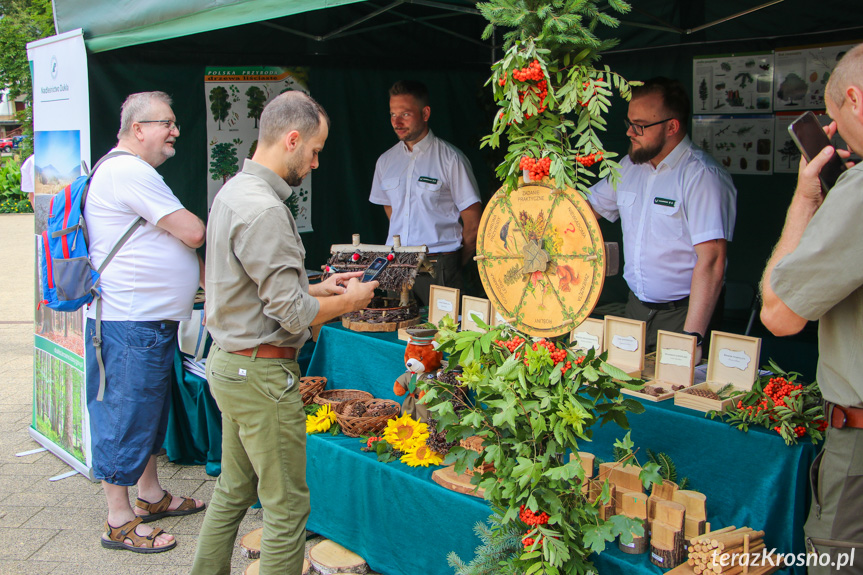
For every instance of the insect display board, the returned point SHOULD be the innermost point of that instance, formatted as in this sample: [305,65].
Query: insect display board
[541,257]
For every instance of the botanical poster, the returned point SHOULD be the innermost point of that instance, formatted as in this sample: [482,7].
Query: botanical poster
[235,98]
[732,84]
[743,144]
[802,74]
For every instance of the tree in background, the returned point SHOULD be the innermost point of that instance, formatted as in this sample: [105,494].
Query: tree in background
[702,93]
[256,101]
[22,21]
[219,104]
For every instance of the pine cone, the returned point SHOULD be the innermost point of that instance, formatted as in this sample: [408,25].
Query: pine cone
[357,410]
[702,393]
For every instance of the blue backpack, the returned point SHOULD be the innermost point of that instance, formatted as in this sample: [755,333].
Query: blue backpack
[69,280]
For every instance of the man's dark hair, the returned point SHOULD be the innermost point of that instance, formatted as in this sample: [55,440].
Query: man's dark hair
[294,110]
[674,97]
[413,88]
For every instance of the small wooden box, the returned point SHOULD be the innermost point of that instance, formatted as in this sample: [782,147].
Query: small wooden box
[624,340]
[443,301]
[473,308]
[589,334]
[674,365]
[733,360]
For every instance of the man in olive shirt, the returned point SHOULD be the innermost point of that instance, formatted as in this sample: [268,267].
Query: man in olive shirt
[816,274]
[259,309]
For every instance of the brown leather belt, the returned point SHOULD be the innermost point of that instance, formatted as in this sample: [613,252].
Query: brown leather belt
[839,416]
[267,351]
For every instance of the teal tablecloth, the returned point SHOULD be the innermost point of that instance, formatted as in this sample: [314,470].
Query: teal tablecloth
[751,479]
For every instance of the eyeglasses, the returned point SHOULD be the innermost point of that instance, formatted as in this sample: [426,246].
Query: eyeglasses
[170,124]
[639,129]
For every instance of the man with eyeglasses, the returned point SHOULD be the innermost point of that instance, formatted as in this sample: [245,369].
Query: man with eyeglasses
[147,289]
[677,208]
[428,191]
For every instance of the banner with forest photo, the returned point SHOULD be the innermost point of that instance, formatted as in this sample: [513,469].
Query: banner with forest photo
[61,130]
[236,96]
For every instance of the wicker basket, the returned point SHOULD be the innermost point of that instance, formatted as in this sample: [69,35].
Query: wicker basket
[333,397]
[356,426]
[310,387]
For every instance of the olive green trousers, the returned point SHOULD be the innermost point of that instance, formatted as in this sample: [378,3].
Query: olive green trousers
[263,457]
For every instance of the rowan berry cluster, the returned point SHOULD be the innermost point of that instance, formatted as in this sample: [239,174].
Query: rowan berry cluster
[511,344]
[538,168]
[529,517]
[533,71]
[589,159]
[799,431]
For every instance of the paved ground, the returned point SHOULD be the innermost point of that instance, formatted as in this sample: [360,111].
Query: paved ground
[54,526]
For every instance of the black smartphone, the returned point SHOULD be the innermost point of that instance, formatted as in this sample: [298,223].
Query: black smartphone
[374,270]
[807,133]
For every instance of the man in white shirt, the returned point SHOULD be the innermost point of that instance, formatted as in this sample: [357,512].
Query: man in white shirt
[425,186]
[147,289]
[677,208]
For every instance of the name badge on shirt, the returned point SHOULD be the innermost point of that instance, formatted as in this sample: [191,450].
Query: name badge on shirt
[664,202]
[427,180]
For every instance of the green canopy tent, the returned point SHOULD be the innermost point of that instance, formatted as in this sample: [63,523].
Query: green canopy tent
[355,50]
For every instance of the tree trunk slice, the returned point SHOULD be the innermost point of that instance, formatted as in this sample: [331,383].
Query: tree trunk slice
[311,542]
[638,546]
[447,477]
[250,544]
[330,558]
[255,568]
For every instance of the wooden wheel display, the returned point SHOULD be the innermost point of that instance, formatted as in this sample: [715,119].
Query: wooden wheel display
[541,257]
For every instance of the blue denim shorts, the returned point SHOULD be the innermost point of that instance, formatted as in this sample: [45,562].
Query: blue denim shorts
[129,425]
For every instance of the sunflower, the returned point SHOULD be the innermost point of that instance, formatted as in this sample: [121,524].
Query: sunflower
[404,432]
[321,420]
[421,455]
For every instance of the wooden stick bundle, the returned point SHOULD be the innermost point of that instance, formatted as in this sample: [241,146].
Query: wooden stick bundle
[734,543]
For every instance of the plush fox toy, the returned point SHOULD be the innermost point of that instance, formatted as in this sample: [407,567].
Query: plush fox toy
[422,361]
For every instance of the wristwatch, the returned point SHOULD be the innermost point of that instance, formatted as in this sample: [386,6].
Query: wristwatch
[699,339]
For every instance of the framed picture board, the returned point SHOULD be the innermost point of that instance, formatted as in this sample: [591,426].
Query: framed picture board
[472,309]
[443,301]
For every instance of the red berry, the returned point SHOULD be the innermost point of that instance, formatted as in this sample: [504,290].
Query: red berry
[390,257]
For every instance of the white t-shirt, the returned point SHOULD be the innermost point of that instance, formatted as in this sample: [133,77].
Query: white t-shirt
[28,176]
[686,200]
[427,189]
[154,276]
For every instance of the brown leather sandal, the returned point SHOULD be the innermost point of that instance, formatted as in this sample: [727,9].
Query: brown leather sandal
[140,544]
[160,508]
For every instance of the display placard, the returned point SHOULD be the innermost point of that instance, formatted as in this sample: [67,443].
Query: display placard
[589,335]
[624,339]
[473,309]
[443,301]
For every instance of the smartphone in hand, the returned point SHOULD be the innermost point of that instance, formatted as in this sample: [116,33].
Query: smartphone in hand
[375,268]
[807,133]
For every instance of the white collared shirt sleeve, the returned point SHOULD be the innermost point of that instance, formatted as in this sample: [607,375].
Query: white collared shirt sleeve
[710,204]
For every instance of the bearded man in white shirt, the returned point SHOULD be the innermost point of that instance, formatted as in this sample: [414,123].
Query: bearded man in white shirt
[428,191]
[677,207]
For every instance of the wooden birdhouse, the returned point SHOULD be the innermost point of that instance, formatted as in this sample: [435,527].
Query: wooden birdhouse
[384,314]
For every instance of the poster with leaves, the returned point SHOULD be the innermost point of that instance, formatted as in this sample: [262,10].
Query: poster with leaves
[743,145]
[235,98]
[732,84]
[802,74]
